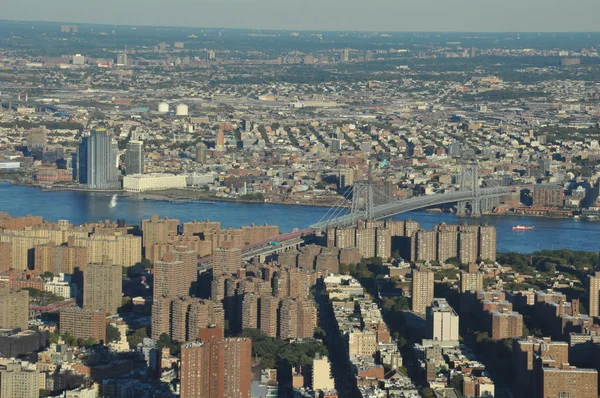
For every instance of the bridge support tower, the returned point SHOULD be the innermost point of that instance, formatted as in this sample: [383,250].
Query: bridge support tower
[469,180]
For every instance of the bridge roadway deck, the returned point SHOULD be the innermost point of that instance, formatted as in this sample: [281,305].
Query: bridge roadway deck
[264,247]
[419,202]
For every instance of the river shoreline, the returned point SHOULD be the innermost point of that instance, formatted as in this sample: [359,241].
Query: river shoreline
[165,196]
[80,207]
[196,196]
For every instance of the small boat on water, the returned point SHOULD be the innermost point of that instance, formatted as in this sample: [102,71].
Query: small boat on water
[522,228]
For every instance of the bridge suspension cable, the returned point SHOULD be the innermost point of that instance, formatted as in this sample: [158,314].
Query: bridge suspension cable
[370,202]
[339,207]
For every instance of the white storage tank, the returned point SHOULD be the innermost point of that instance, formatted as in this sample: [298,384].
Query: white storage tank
[182,110]
[163,107]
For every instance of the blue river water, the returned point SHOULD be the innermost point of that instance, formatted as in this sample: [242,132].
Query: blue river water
[81,207]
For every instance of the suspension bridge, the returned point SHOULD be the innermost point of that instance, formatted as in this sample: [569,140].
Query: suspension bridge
[365,201]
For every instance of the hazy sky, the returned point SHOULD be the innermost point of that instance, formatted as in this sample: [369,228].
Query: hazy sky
[371,15]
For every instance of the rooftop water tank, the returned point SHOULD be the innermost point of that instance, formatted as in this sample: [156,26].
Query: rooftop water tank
[163,107]
[182,110]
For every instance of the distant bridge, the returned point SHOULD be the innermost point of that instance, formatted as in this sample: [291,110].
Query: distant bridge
[362,198]
[364,193]
[420,202]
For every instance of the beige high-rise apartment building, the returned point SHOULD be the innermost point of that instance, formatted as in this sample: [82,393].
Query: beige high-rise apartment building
[8,222]
[467,247]
[102,286]
[18,380]
[487,243]
[372,239]
[396,227]
[300,282]
[269,306]
[365,242]
[37,138]
[321,374]
[281,285]
[347,177]
[178,319]
[161,317]
[200,227]
[258,233]
[307,319]
[217,287]
[411,227]
[170,279]
[226,238]
[158,230]
[447,242]
[383,243]
[426,246]
[175,274]
[190,260]
[14,309]
[330,237]
[123,250]
[227,261]
[345,237]
[183,317]
[20,248]
[84,324]
[422,290]
[471,281]
[57,233]
[17,245]
[59,259]
[250,311]
[593,286]
[202,314]
[288,319]
[5,256]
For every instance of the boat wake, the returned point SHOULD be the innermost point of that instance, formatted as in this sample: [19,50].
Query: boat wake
[113,202]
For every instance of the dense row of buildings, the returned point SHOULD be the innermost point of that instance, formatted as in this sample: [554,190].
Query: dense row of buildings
[369,345]
[555,366]
[467,243]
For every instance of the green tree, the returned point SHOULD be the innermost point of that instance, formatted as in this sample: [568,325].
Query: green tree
[457,383]
[165,341]
[137,337]
[68,338]
[402,342]
[253,196]
[48,275]
[147,264]
[112,334]
[53,338]
[320,333]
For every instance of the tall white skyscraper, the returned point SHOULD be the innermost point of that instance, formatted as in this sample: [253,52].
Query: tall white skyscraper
[442,321]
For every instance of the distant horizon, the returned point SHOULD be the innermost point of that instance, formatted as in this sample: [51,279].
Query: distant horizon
[296,30]
[393,16]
